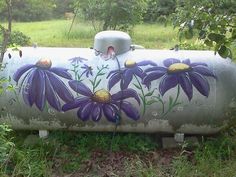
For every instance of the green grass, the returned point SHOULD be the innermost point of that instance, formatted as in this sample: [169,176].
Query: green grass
[55,33]
[215,157]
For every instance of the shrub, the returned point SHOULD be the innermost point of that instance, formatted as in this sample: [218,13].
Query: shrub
[214,22]
[121,15]
[19,38]
[157,10]
[5,145]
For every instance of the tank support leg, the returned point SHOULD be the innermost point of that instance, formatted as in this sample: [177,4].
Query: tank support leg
[174,141]
[179,137]
[43,133]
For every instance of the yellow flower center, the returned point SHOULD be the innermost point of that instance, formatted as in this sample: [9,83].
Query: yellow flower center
[178,67]
[102,96]
[130,63]
[44,63]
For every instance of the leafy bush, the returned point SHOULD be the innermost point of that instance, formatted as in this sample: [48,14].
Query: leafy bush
[61,7]
[197,45]
[19,38]
[121,15]
[35,10]
[29,10]
[215,22]
[5,145]
[159,10]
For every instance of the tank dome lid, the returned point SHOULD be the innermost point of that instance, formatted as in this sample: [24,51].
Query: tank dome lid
[120,41]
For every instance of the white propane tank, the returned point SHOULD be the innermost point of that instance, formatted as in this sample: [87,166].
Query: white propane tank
[114,85]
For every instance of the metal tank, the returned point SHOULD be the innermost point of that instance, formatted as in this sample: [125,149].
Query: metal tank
[116,86]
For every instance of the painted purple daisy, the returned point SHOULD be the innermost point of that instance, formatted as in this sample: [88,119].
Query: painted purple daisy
[131,69]
[185,74]
[77,60]
[87,70]
[101,102]
[41,83]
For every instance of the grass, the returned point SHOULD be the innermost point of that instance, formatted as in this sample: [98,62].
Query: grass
[55,34]
[89,154]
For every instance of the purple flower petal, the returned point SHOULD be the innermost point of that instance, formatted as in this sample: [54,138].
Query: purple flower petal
[85,111]
[168,82]
[90,72]
[170,61]
[128,76]
[75,104]
[87,70]
[77,60]
[204,71]
[113,72]
[110,112]
[87,74]
[127,93]
[186,85]
[80,88]
[139,72]
[156,68]
[130,111]
[17,75]
[51,96]
[97,112]
[152,76]
[146,62]
[113,80]
[200,83]
[61,72]
[187,62]
[27,88]
[85,66]
[34,86]
[60,88]
[39,81]
[198,63]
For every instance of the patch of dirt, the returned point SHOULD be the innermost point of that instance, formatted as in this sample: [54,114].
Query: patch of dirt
[119,164]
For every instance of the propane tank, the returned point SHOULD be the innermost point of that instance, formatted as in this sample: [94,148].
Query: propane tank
[114,85]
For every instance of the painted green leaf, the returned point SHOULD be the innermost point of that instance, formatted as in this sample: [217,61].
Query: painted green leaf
[150,93]
[137,86]
[91,82]
[101,74]
[151,102]
[170,101]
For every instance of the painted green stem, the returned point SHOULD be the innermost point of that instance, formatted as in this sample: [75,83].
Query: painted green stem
[143,97]
[99,73]
[161,101]
[172,105]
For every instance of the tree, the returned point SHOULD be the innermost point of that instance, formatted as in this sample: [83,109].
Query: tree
[6,32]
[30,10]
[61,7]
[214,21]
[159,9]
[113,14]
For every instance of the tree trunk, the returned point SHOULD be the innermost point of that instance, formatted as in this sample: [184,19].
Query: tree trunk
[6,32]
